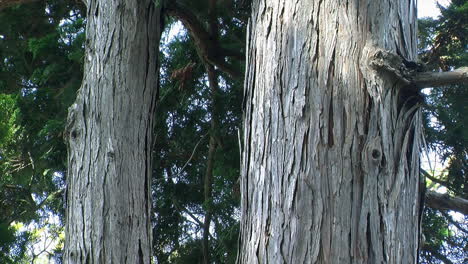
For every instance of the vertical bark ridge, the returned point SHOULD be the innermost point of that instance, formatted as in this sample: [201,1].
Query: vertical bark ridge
[331,154]
[110,139]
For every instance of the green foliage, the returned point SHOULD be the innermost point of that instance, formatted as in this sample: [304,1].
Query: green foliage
[443,241]
[40,72]
[189,252]
[442,41]
[12,244]
[447,134]
[442,44]
[8,121]
[183,132]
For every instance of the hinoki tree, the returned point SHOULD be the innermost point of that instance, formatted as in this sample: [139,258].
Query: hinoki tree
[110,136]
[333,132]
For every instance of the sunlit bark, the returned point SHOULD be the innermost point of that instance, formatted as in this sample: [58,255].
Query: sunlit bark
[110,134]
[331,160]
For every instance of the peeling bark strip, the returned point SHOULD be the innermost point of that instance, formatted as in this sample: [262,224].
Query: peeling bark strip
[331,160]
[110,134]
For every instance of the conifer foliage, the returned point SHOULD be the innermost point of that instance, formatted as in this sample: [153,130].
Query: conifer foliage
[442,45]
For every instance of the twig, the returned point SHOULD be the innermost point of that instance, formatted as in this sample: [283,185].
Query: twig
[191,156]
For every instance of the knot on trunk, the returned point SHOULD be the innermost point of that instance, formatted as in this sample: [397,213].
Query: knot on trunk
[376,155]
[71,132]
[372,155]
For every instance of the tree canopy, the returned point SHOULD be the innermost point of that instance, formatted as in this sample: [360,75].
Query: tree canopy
[442,46]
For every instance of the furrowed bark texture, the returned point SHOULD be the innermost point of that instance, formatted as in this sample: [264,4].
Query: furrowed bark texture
[331,160]
[110,136]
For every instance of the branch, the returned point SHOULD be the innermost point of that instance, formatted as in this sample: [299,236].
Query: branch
[191,156]
[453,222]
[183,209]
[50,197]
[207,46]
[445,202]
[410,73]
[436,254]
[180,208]
[432,178]
[433,79]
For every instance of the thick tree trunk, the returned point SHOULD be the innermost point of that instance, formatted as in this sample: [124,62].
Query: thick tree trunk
[331,159]
[110,136]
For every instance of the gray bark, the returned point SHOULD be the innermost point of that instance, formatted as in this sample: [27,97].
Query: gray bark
[109,134]
[331,159]
[432,79]
[446,202]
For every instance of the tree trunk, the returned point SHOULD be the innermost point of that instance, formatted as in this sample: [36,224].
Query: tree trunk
[109,132]
[208,178]
[331,160]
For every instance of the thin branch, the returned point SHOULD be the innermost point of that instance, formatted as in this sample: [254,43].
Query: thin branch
[27,193]
[183,209]
[191,156]
[208,179]
[453,222]
[432,178]
[446,202]
[436,254]
[436,180]
[50,197]
[33,167]
[180,208]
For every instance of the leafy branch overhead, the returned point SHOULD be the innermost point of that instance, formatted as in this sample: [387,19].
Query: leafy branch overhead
[208,45]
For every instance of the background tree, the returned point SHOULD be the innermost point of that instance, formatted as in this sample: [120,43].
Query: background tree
[442,45]
[201,99]
[109,133]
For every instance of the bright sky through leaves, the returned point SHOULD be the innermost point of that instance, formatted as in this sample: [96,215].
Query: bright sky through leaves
[428,8]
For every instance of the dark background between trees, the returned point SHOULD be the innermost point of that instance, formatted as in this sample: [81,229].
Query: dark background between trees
[197,161]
